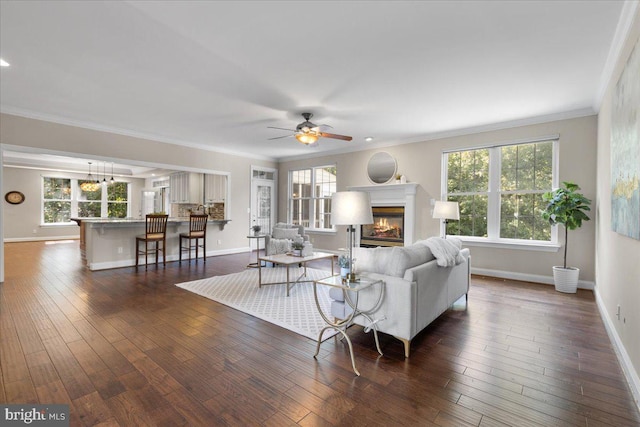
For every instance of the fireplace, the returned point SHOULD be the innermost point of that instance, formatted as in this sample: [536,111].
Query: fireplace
[387,228]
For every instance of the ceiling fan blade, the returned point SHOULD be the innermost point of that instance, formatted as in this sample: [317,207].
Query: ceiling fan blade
[280,137]
[334,136]
[290,130]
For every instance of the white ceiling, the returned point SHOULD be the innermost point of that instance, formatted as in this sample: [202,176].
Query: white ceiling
[216,74]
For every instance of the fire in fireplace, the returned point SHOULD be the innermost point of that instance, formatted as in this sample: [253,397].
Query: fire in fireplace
[387,228]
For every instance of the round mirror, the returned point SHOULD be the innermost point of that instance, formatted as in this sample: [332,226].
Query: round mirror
[381,168]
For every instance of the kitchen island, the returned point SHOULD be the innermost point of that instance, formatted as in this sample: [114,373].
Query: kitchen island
[111,243]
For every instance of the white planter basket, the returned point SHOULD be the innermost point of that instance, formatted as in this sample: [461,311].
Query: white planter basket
[566,279]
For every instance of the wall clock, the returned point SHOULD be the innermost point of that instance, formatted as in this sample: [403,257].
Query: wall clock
[14,197]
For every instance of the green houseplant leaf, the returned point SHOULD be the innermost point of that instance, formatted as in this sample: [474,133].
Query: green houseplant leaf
[567,207]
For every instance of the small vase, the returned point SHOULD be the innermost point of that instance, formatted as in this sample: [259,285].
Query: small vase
[256,232]
[344,271]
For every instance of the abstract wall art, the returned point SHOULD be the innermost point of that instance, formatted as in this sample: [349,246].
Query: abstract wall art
[625,149]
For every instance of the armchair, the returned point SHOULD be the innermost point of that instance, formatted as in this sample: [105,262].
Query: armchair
[281,238]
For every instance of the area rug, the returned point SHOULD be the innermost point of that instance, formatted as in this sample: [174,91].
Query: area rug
[297,312]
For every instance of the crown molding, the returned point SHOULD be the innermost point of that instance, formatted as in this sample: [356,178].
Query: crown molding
[565,115]
[625,23]
[125,132]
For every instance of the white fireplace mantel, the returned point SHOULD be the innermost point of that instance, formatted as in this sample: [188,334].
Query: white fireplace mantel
[395,195]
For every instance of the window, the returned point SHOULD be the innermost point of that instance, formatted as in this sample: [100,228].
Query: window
[499,190]
[118,200]
[310,193]
[56,203]
[63,199]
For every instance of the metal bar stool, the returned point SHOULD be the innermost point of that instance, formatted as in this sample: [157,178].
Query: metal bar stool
[156,232]
[197,231]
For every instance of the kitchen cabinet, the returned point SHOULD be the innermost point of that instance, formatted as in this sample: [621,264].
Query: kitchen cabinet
[186,187]
[215,188]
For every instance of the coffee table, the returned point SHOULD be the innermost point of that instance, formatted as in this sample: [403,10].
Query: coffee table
[289,260]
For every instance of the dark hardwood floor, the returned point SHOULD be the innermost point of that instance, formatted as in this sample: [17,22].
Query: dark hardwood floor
[126,347]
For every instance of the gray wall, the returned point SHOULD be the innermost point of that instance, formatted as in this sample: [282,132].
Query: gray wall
[22,222]
[41,136]
[421,163]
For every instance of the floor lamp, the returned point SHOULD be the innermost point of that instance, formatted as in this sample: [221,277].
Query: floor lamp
[351,208]
[446,211]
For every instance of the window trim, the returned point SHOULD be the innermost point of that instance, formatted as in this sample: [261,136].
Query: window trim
[312,197]
[494,193]
[75,202]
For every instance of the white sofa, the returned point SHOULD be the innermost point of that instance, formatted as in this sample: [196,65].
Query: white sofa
[416,289]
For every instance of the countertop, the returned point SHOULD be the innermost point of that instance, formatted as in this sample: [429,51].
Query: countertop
[93,220]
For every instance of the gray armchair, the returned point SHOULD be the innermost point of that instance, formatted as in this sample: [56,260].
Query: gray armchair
[282,236]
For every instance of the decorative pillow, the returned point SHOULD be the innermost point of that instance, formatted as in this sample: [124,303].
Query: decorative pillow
[383,258]
[406,257]
[365,260]
[278,246]
[284,233]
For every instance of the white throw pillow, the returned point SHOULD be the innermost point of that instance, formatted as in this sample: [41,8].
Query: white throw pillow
[365,260]
[383,258]
[406,257]
[279,246]
[284,233]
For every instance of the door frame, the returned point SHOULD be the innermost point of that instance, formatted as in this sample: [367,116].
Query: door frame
[252,196]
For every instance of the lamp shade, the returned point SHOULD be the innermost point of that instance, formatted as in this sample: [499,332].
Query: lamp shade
[446,210]
[351,207]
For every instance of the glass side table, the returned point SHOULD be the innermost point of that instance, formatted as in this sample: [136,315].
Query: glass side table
[341,325]
[257,237]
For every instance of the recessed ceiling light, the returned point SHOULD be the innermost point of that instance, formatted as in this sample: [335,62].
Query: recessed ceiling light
[3,63]
[368,138]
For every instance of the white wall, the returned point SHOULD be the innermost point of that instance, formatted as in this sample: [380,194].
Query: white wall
[22,222]
[421,162]
[617,256]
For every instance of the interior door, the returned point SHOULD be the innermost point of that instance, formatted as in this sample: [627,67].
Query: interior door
[262,205]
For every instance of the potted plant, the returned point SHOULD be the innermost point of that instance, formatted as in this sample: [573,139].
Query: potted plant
[256,229]
[296,247]
[567,207]
[343,263]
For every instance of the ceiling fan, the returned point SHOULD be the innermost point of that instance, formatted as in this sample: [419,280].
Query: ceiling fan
[308,133]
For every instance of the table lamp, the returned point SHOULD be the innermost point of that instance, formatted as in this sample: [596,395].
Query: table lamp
[351,208]
[446,211]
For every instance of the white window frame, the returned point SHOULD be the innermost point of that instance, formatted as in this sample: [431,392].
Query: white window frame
[74,200]
[312,197]
[494,194]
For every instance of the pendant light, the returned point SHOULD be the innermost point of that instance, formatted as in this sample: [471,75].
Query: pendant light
[112,180]
[104,174]
[90,184]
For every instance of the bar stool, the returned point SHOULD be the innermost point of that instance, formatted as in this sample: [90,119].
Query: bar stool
[156,232]
[197,231]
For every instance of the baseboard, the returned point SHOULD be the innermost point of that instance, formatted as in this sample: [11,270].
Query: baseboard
[536,278]
[39,239]
[94,266]
[623,357]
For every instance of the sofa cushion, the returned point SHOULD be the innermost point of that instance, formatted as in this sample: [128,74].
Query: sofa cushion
[284,233]
[404,257]
[372,260]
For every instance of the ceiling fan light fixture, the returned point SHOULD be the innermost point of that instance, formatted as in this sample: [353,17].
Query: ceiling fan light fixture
[306,138]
